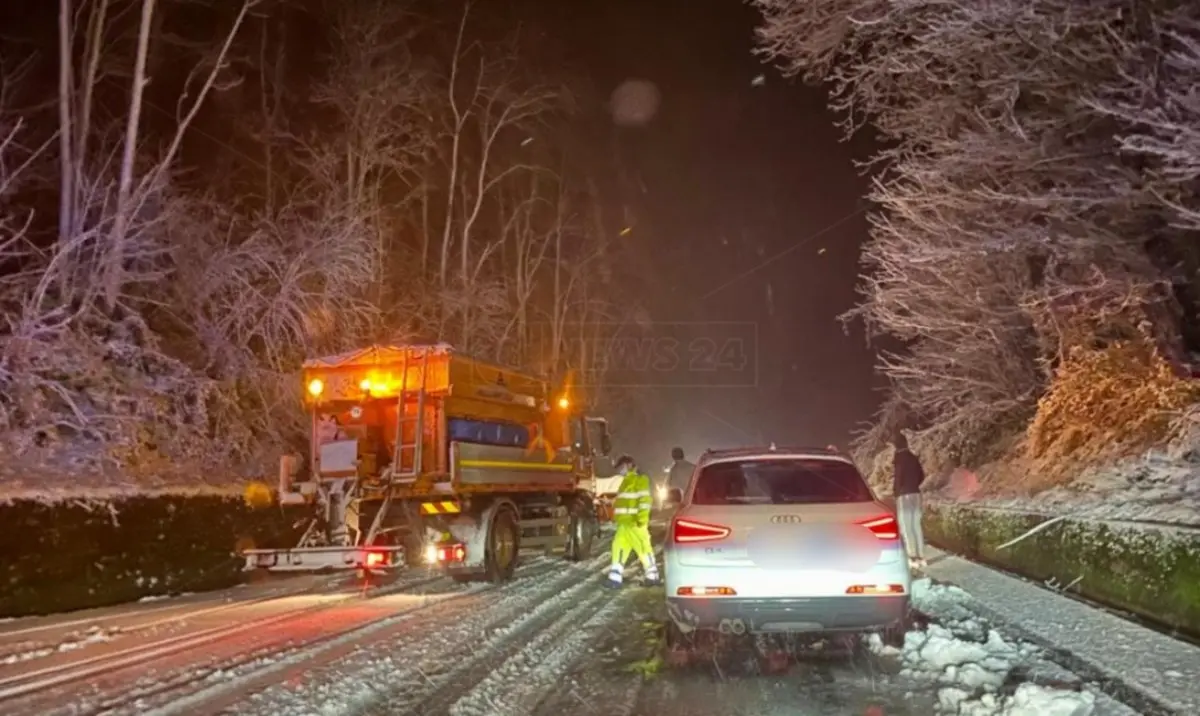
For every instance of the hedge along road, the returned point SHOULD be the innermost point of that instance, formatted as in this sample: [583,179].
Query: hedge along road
[57,557]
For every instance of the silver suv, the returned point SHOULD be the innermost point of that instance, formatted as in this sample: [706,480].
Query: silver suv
[773,540]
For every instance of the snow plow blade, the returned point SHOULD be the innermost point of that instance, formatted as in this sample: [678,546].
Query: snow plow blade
[307,559]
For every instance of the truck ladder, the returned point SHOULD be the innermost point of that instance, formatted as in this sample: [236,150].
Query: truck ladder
[400,471]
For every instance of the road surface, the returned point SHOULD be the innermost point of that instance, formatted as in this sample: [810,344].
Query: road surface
[550,642]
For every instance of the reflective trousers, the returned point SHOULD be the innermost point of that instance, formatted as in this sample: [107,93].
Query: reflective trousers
[636,540]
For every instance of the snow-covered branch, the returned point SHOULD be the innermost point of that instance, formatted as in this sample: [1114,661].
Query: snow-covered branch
[1037,186]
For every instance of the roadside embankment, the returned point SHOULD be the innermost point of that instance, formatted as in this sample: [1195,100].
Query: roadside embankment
[1151,571]
[75,554]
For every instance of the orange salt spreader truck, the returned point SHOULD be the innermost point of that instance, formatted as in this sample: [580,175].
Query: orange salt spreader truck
[421,455]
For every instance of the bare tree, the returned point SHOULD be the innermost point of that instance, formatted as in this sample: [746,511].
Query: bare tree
[486,111]
[115,207]
[488,102]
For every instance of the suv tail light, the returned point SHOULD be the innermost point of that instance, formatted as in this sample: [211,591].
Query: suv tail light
[884,527]
[690,531]
[876,589]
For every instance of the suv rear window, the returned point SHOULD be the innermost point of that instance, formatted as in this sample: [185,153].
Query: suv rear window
[780,482]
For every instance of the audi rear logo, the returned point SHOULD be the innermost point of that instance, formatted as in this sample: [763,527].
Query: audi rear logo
[786,519]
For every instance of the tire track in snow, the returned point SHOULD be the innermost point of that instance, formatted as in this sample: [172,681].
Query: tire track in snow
[133,680]
[527,677]
[98,676]
[257,669]
[438,681]
[370,681]
[134,685]
[582,688]
[549,621]
[78,633]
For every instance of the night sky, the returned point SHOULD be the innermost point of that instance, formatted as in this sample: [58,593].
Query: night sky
[739,181]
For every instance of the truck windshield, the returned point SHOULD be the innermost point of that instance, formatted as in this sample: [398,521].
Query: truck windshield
[780,482]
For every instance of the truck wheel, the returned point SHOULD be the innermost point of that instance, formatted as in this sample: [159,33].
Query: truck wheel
[503,544]
[581,532]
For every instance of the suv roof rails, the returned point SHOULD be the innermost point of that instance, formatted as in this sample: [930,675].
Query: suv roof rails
[759,449]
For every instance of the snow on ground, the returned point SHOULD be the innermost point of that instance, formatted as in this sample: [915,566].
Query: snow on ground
[1154,487]
[554,641]
[962,663]
[972,663]
[1031,700]
[93,635]
[103,491]
[1148,669]
[517,686]
[426,657]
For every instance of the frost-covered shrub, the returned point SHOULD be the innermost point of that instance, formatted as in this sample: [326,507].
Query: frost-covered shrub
[1103,400]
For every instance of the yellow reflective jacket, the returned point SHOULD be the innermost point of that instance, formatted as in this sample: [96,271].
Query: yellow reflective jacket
[633,503]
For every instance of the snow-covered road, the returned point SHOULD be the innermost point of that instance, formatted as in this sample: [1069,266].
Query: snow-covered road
[552,641]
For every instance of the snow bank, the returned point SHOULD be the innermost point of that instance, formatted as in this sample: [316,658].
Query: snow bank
[1153,487]
[1144,668]
[971,663]
[1032,700]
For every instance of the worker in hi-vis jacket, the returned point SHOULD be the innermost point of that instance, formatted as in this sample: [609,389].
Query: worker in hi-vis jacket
[631,515]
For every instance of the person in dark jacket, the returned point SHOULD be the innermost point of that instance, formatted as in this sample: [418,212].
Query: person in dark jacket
[907,476]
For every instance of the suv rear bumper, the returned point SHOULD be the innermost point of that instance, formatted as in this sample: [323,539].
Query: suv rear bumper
[849,613]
